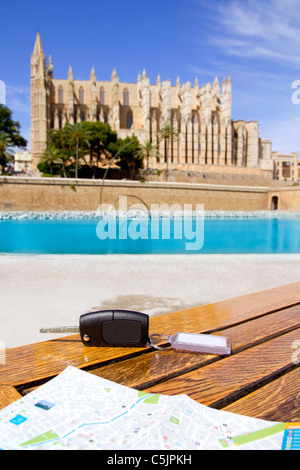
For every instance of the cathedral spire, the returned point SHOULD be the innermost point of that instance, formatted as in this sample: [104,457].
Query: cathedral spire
[38,48]
[38,60]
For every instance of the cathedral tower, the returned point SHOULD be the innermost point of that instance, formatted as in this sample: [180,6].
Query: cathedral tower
[40,97]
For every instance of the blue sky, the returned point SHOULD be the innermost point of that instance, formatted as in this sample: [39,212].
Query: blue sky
[257,42]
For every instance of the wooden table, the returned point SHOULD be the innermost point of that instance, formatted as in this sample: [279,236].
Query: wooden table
[261,377]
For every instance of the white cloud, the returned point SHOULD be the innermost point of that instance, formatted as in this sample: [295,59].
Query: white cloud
[266,29]
[18,98]
[268,19]
[258,43]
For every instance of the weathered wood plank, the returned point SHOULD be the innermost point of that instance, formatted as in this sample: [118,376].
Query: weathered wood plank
[276,401]
[225,381]
[229,312]
[149,369]
[8,395]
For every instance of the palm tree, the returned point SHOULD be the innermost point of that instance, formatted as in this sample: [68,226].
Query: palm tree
[5,149]
[75,133]
[51,156]
[166,133]
[146,151]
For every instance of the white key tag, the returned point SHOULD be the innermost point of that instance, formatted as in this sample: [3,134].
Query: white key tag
[203,343]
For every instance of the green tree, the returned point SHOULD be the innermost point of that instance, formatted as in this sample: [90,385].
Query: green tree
[50,157]
[76,134]
[58,140]
[130,159]
[166,133]
[146,151]
[101,136]
[11,127]
[5,149]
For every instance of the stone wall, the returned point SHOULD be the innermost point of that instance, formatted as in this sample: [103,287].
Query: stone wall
[288,198]
[38,194]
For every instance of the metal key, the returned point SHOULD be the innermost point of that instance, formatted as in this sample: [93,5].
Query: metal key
[109,328]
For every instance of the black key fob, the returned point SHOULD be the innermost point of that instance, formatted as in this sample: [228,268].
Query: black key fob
[114,328]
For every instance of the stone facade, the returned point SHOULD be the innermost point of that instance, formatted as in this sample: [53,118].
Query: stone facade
[22,161]
[286,166]
[201,116]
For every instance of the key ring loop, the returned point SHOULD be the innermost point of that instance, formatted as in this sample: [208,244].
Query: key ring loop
[154,340]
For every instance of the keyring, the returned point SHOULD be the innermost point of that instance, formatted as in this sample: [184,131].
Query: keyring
[155,338]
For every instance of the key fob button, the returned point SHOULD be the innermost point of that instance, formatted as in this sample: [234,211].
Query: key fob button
[120,332]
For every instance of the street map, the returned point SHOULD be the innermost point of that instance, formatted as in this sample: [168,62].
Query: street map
[79,410]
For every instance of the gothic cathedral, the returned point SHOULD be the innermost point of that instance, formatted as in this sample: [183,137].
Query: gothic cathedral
[207,138]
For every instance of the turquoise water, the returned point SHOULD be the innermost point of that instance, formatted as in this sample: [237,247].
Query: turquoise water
[221,235]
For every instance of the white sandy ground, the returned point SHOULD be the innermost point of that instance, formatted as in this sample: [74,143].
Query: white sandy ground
[54,290]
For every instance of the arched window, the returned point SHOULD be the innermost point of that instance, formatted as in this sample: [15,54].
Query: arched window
[82,116]
[60,95]
[129,120]
[81,95]
[125,97]
[102,96]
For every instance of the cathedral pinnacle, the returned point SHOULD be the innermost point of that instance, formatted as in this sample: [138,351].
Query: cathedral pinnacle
[114,74]
[70,74]
[50,67]
[93,75]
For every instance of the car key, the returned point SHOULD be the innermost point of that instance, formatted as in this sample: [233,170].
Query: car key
[128,328]
[109,328]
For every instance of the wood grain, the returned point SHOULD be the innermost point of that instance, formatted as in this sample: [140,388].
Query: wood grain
[276,401]
[149,369]
[225,381]
[227,313]
[8,395]
[40,361]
